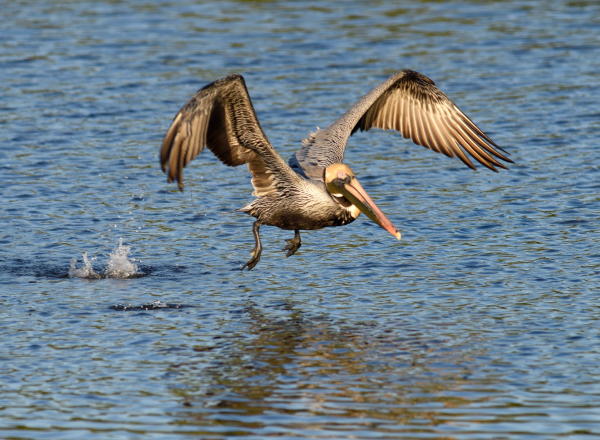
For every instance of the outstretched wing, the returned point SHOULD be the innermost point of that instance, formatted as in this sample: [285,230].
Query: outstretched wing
[220,116]
[410,103]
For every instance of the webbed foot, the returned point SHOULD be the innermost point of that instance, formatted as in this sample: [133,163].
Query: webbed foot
[252,261]
[293,244]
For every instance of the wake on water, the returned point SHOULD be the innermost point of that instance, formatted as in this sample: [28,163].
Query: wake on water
[119,265]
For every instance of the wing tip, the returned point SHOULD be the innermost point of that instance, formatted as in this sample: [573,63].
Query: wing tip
[494,151]
[178,179]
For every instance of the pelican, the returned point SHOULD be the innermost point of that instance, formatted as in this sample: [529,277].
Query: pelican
[314,189]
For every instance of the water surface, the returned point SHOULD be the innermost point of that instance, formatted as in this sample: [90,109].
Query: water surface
[481,323]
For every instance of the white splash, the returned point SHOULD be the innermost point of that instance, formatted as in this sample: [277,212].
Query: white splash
[85,271]
[119,265]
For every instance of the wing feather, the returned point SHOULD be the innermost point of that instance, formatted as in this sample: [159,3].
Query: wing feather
[409,121]
[455,146]
[412,104]
[427,133]
[221,117]
[420,128]
[437,136]
[403,122]
[467,145]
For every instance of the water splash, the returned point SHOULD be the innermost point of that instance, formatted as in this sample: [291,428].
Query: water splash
[119,265]
[85,271]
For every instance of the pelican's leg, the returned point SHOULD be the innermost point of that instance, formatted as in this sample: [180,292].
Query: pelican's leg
[257,248]
[293,244]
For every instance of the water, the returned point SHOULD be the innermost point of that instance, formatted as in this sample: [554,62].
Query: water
[119,265]
[481,323]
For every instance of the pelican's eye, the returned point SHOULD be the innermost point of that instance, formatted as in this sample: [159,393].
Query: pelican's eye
[341,181]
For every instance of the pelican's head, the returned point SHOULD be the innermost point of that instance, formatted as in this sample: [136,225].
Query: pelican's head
[342,184]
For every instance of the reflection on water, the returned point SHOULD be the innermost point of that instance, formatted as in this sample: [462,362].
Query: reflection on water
[300,371]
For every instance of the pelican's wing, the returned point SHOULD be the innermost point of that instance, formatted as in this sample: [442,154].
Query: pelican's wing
[410,103]
[220,116]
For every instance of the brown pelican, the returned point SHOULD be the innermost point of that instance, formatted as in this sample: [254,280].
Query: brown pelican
[315,189]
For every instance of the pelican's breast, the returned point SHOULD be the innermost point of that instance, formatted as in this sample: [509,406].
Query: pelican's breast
[308,207]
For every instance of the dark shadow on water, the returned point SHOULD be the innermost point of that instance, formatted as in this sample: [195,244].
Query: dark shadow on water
[33,267]
[23,267]
[155,305]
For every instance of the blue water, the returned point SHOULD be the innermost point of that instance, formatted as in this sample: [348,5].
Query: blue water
[481,323]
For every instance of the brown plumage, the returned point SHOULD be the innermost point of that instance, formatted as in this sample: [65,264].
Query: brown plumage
[315,189]
[431,120]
